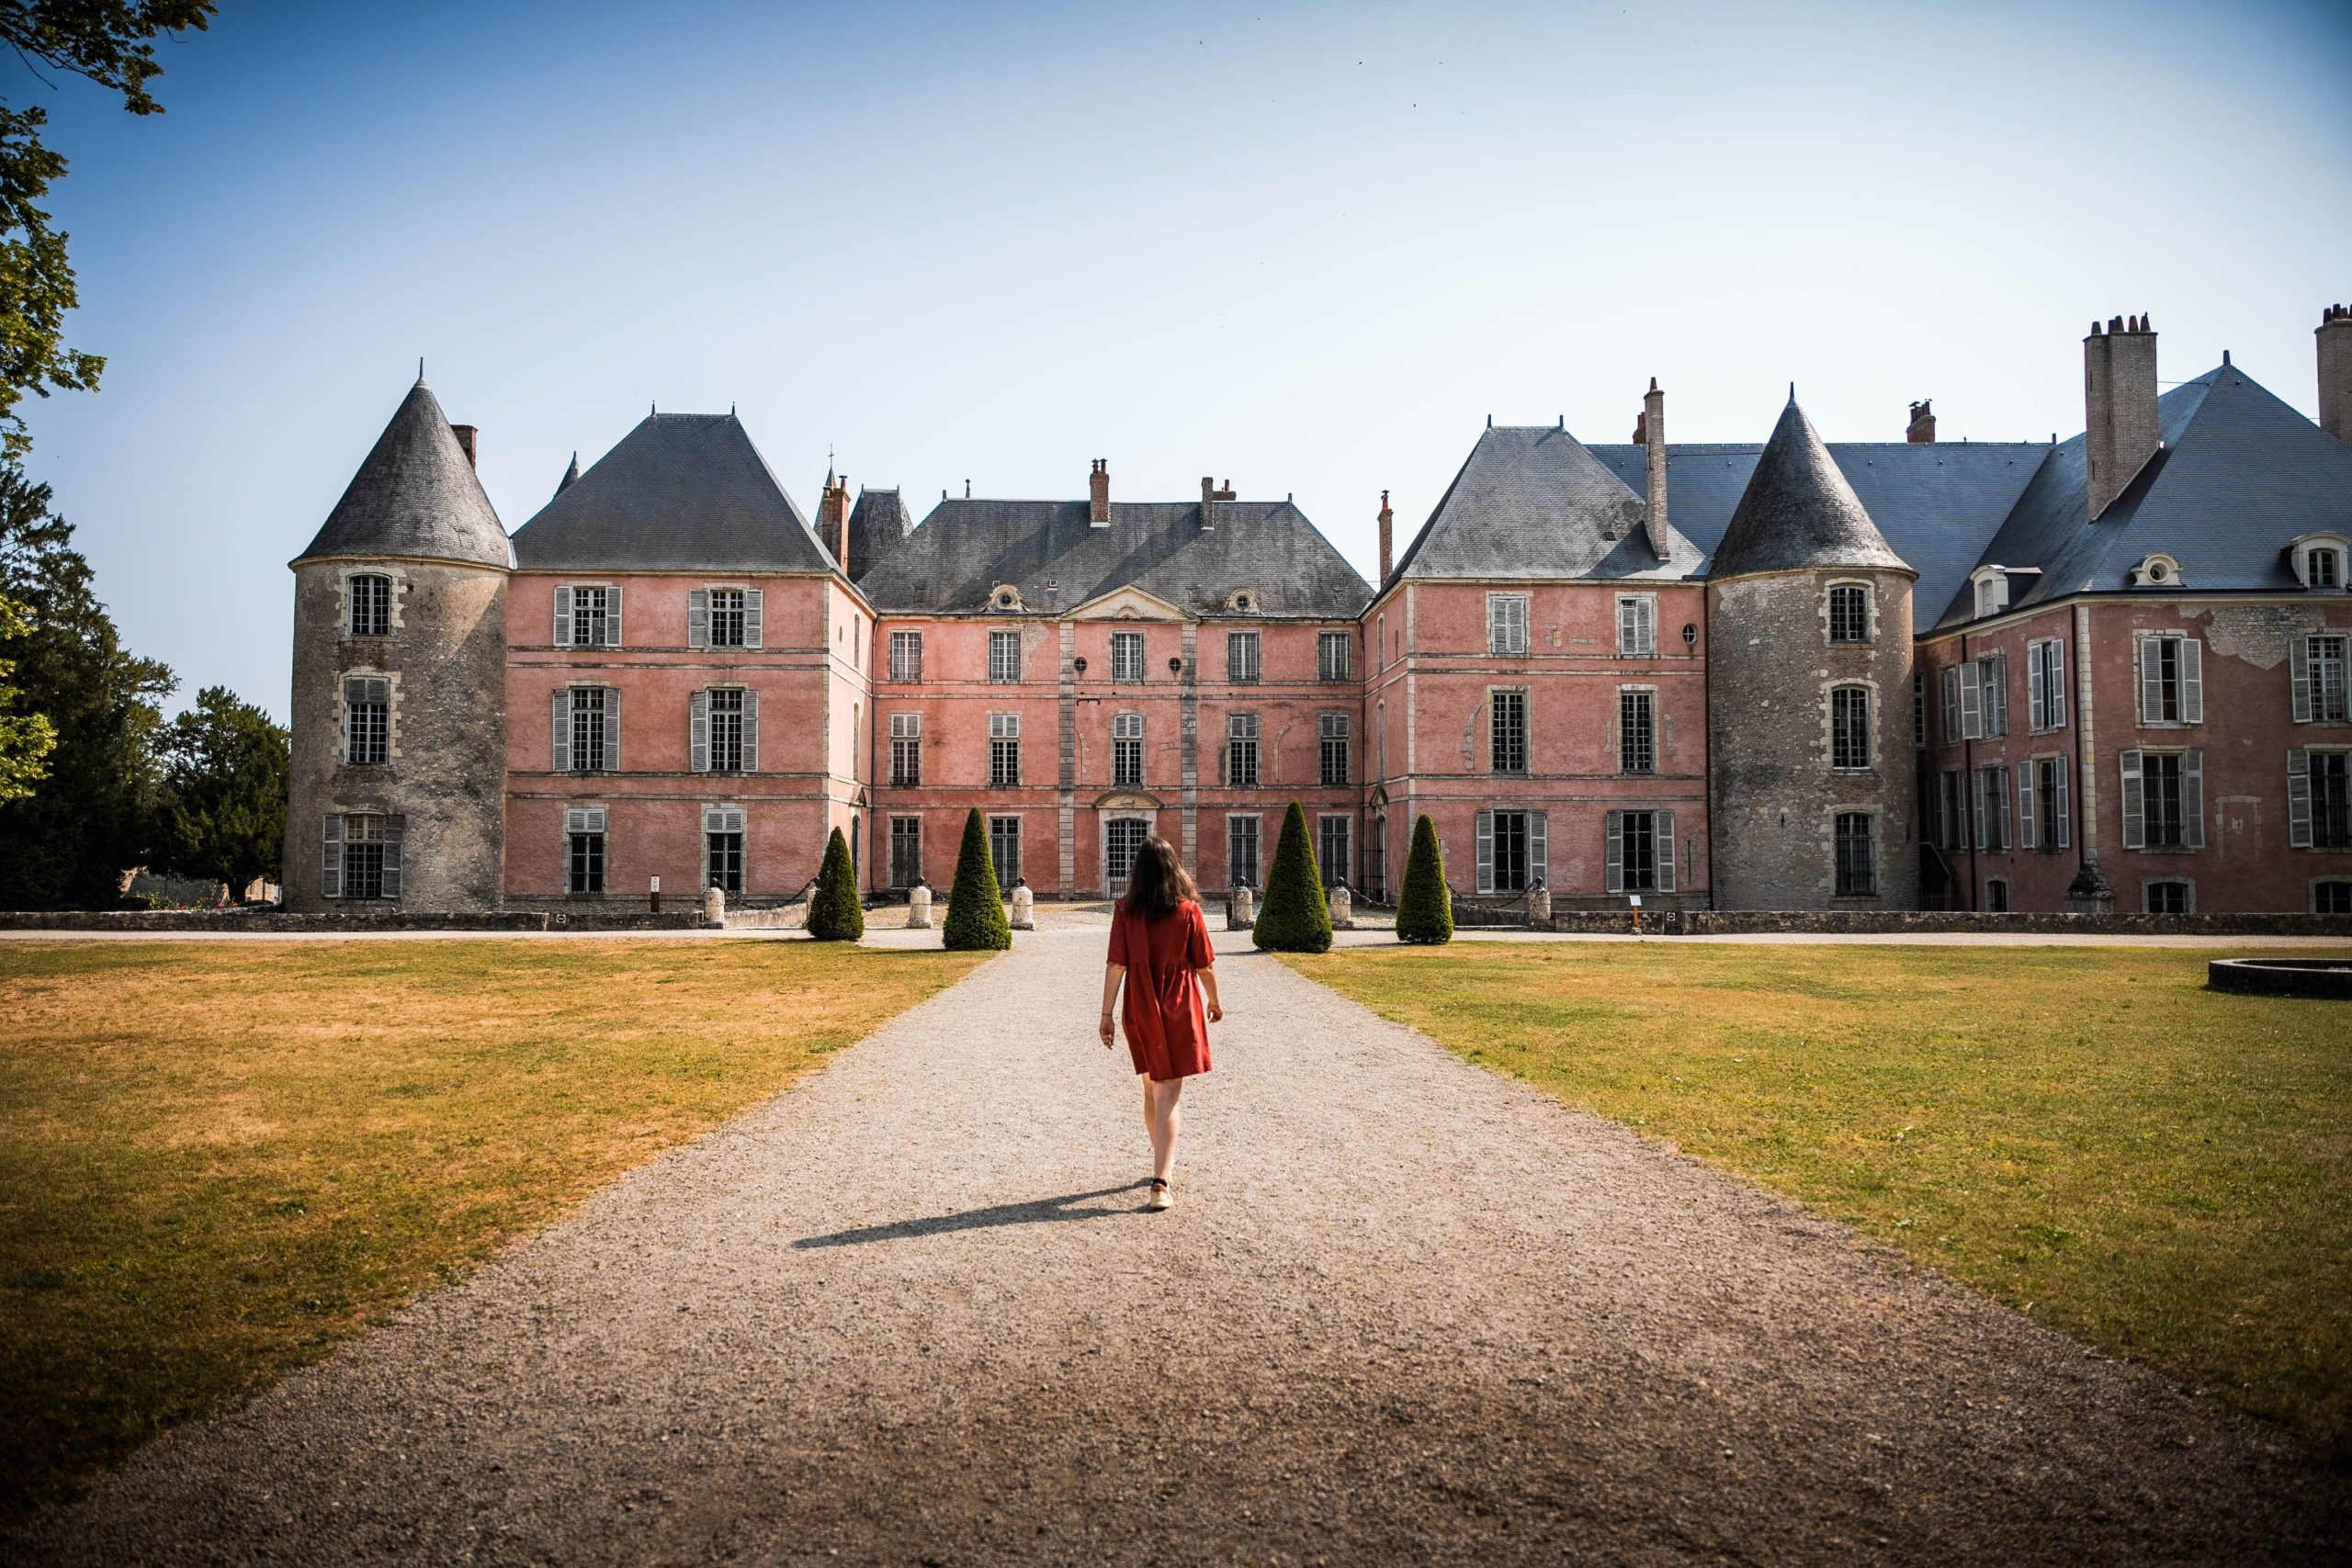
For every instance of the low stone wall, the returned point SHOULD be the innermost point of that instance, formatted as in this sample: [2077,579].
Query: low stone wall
[266,923]
[1928,922]
[782,917]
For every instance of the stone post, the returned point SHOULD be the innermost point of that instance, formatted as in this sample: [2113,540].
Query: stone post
[1025,907]
[918,907]
[714,907]
[1343,915]
[2089,894]
[1539,908]
[1244,910]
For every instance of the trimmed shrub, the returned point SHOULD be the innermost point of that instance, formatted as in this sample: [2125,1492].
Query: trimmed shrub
[834,912]
[1294,919]
[976,919]
[1425,909]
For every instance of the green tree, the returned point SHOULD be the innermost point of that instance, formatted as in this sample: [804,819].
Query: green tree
[834,912]
[111,43]
[1425,909]
[67,844]
[975,919]
[224,791]
[1294,919]
[25,738]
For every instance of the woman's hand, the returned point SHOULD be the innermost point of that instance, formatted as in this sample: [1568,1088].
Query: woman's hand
[1103,1028]
[1216,1013]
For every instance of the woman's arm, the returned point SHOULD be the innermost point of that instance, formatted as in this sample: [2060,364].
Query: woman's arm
[1112,974]
[1208,989]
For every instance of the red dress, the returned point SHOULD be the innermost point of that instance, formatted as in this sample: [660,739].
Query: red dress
[1167,1029]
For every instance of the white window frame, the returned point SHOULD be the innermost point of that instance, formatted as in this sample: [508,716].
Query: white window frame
[2319,677]
[592,821]
[569,614]
[2188,684]
[1538,849]
[1332,666]
[2045,681]
[2035,793]
[1129,667]
[1517,697]
[906,656]
[1647,696]
[1004,659]
[1241,737]
[375,692]
[906,746]
[1661,830]
[705,613]
[1334,736]
[2303,806]
[1829,600]
[1507,620]
[391,598]
[1244,658]
[2131,763]
[568,713]
[1126,751]
[704,725]
[723,820]
[1638,625]
[1004,731]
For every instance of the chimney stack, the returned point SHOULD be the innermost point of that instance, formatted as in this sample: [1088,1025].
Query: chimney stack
[833,519]
[1922,431]
[2335,372]
[466,437]
[1210,496]
[1653,428]
[1387,540]
[1098,494]
[2119,405]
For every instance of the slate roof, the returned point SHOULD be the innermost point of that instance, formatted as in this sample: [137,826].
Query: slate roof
[1533,503]
[877,525]
[1049,551]
[414,496]
[681,492]
[1798,512]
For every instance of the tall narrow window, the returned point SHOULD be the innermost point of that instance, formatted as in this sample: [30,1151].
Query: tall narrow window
[1334,854]
[1241,750]
[1993,809]
[1122,837]
[2046,679]
[363,856]
[727,730]
[1005,657]
[1506,622]
[1948,726]
[1640,857]
[906,656]
[2316,671]
[371,605]
[1332,731]
[2172,682]
[1849,727]
[2042,806]
[1636,626]
[1126,751]
[584,849]
[367,719]
[2319,800]
[906,749]
[1004,850]
[1241,656]
[1850,613]
[1918,707]
[722,842]
[1331,656]
[1508,740]
[1510,864]
[592,732]
[906,850]
[592,618]
[1004,749]
[727,617]
[1126,658]
[2163,799]
[1241,851]
[1636,732]
[1857,851]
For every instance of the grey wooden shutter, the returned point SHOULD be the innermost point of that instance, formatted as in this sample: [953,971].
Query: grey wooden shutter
[2151,683]
[2135,825]
[697,618]
[612,729]
[331,868]
[1996,694]
[395,833]
[1665,824]
[2298,677]
[1948,690]
[563,618]
[613,615]
[1539,835]
[1971,702]
[752,616]
[2029,827]
[1614,852]
[699,733]
[1485,852]
[2299,799]
[2037,715]
[751,732]
[562,729]
[2192,681]
[2192,797]
[1979,793]
[2058,780]
[2053,666]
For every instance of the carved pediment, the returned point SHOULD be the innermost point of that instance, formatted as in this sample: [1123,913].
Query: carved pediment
[1126,800]
[1128,603]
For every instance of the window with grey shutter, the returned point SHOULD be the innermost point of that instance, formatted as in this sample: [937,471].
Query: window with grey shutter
[2299,799]
[1949,683]
[2192,797]
[2058,793]
[1971,701]
[1485,852]
[1506,622]
[1663,823]
[613,616]
[2317,673]
[2172,680]
[1996,683]
[366,720]
[365,837]
[725,707]
[755,617]
[1612,853]
[2028,818]
[331,859]
[612,729]
[563,618]
[395,835]
[697,618]
[1636,627]
[560,730]
[698,732]
[728,618]
[2135,809]
[750,731]
[2037,711]
[2327,792]
[2192,681]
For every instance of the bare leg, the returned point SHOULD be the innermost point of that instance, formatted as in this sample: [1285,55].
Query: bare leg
[1163,1096]
[1148,1132]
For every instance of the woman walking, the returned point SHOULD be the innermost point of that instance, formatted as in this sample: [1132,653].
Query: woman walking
[1159,947]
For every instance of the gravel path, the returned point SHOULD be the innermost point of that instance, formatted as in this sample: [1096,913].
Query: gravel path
[1406,1311]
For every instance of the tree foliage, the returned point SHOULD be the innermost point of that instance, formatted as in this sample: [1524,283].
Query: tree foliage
[95,816]
[25,738]
[975,918]
[1294,919]
[834,912]
[111,43]
[224,791]
[1425,909]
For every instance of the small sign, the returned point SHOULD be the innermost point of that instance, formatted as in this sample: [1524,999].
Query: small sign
[1634,899]
[657,888]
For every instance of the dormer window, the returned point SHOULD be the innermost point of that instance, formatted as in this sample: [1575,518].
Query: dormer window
[1992,586]
[1241,602]
[2159,571]
[1006,597]
[2320,561]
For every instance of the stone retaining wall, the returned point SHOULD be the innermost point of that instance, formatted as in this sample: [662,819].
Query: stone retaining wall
[1925,923]
[261,922]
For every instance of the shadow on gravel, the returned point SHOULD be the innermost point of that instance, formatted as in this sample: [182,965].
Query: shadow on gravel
[1037,1211]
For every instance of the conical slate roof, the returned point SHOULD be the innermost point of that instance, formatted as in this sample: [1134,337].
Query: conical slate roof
[415,496]
[1798,512]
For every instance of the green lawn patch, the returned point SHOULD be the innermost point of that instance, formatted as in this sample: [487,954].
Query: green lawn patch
[2086,1133]
[219,1160]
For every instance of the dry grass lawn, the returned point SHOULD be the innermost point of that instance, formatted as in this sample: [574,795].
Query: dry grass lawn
[2087,1134]
[217,1160]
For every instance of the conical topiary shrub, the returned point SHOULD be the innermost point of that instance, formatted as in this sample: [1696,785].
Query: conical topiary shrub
[1425,909]
[976,919]
[1294,919]
[834,913]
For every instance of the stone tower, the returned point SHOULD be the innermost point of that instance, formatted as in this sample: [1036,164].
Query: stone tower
[399,672]
[1809,692]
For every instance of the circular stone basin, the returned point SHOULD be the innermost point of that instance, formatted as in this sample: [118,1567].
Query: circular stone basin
[2282,976]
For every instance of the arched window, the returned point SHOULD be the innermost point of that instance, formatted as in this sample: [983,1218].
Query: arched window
[1850,613]
[1849,727]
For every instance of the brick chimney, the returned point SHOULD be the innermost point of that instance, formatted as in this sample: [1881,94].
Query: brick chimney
[1387,539]
[468,438]
[1922,429]
[833,518]
[1210,495]
[2119,405]
[1653,429]
[1098,494]
[2335,372]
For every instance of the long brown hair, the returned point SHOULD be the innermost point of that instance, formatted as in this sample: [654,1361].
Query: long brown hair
[1158,885]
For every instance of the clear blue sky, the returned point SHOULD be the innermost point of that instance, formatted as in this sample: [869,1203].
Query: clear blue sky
[1308,248]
